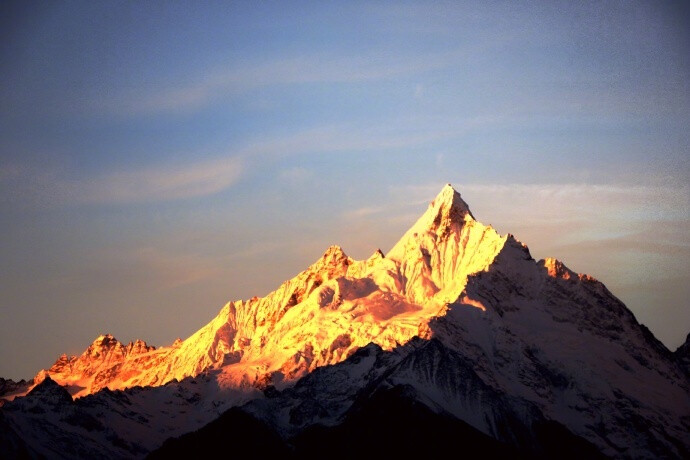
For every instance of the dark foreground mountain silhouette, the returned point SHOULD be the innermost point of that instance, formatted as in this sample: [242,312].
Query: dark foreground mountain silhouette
[383,421]
[457,334]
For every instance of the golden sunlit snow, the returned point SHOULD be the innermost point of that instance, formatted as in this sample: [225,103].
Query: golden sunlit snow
[317,318]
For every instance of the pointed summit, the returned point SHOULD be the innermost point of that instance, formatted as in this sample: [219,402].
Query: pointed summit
[447,213]
[447,210]
[442,248]
[449,200]
[104,340]
[50,393]
[333,260]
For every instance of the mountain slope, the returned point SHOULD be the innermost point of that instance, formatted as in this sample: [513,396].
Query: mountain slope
[455,317]
[377,403]
[564,342]
[314,319]
[682,354]
[110,424]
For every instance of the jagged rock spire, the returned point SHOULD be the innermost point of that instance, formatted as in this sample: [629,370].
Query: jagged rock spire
[446,210]
[449,202]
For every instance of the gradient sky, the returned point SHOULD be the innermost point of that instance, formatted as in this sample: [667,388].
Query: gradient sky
[157,161]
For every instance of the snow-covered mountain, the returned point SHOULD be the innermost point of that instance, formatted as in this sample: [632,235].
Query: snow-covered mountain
[317,318]
[399,403]
[457,318]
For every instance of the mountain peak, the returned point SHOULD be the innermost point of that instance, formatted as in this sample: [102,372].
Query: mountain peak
[557,269]
[447,213]
[442,248]
[102,345]
[334,251]
[50,392]
[446,209]
[449,200]
[105,340]
[333,257]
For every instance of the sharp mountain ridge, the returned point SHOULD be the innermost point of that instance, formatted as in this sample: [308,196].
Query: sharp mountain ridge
[455,320]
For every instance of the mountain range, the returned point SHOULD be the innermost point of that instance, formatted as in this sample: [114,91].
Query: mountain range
[454,339]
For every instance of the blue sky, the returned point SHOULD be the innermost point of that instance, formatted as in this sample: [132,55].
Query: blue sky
[157,161]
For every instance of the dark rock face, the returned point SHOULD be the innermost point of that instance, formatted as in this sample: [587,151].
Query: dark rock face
[9,386]
[682,355]
[244,434]
[388,423]
[11,444]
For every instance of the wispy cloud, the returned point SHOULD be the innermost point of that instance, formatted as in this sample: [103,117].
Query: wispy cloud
[362,212]
[188,181]
[211,85]
[147,185]
[564,220]
[352,137]
[57,185]
[569,201]
[148,267]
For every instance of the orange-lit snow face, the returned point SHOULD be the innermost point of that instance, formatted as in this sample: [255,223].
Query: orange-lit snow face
[320,316]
